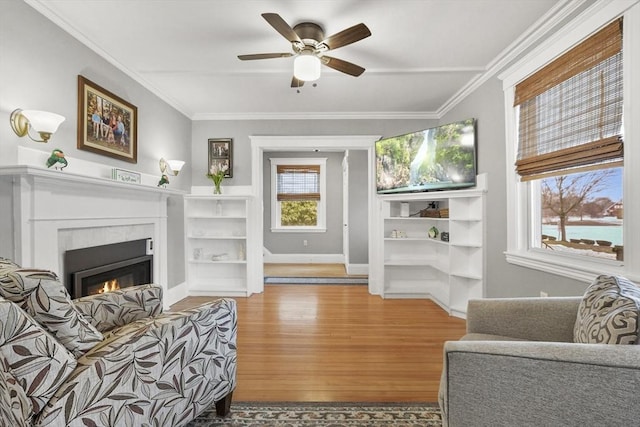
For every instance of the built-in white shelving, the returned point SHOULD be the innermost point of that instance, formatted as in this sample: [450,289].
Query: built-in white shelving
[217,239]
[416,264]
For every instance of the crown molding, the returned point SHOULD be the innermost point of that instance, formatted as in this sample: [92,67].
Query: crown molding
[363,115]
[42,7]
[532,35]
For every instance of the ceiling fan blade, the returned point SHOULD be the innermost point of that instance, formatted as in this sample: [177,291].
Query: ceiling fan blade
[342,66]
[295,82]
[264,56]
[348,36]
[282,27]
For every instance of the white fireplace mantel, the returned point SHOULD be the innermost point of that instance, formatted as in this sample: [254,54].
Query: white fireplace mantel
[53,211]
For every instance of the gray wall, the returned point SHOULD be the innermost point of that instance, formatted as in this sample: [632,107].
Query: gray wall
[329,242]
[503,279]
[358,220]
[39,67]
[240,130]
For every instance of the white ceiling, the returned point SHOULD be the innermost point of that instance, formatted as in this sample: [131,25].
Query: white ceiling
[421,56]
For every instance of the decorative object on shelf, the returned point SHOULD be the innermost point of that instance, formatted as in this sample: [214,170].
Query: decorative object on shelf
[43,122]
[444,236]
[216,175]
[221,156]
[123,175]
[241,252]
[164,180]
[169,167]
[433,232]
[219,257]
[107,124]
[57,157]
[197,253]
[398,234]
[404,210]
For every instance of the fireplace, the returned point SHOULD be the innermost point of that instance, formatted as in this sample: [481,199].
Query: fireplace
[109,267]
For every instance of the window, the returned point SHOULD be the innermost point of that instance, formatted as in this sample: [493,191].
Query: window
[565,134]
[298,194]
[570,120]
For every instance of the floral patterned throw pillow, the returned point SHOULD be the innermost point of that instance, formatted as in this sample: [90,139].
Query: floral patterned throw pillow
[41,295]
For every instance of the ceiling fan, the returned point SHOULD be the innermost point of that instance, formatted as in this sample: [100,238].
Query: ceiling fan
[309,47]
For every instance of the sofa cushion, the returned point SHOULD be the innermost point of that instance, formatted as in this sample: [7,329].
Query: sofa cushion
[41,295]
[31,359]
[609,312]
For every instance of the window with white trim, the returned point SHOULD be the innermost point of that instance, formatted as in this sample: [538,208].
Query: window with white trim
[298,194]
[566,134]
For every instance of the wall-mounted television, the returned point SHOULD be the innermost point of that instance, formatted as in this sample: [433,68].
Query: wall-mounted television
[439,158]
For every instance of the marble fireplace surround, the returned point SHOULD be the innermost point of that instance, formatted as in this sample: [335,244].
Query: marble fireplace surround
[55,211]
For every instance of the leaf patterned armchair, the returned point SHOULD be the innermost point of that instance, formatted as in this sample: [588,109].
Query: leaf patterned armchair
[112,359]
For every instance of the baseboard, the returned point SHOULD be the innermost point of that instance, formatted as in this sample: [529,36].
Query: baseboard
[303,258]
[361,269]
[175,294]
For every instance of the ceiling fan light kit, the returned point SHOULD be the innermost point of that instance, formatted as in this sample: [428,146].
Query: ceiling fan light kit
[306,67]
[309,47]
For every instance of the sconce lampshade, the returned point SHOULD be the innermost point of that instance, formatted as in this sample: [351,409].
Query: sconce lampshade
[306,67]
[172,166]
[175,165]
[43,122]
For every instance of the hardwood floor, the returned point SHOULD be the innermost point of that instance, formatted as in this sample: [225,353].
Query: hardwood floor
[338,343]
[307,270]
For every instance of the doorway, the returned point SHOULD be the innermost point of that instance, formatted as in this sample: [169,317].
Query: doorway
[262,144]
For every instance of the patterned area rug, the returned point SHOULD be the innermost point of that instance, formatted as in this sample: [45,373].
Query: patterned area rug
[307,414]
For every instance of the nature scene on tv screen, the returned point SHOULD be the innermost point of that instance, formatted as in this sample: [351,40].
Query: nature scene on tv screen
[432,159]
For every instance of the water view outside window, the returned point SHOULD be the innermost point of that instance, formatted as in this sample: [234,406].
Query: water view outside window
[582,214]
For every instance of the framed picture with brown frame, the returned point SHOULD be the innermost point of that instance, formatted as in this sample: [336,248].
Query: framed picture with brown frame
[107,124]
[221,156]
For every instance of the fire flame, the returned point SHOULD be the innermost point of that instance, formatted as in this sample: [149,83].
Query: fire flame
[111,285]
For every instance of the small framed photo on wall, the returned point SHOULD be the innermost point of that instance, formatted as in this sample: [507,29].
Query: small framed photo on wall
[221,156]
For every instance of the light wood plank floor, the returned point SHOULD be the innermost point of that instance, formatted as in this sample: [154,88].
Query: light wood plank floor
[338,343]
[307,270]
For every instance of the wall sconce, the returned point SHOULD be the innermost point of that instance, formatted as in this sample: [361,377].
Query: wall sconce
[43,122]
[167,167]
[172,166]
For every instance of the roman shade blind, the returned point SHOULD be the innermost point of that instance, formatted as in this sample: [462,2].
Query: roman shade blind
[570,111]
[298,182]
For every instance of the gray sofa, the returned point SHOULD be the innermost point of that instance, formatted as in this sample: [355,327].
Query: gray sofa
[520,364]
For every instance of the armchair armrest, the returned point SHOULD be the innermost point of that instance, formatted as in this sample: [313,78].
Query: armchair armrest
[540,383]
[156,371]
[536,319]
[117,308]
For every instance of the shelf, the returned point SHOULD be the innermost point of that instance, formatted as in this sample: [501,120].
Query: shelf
[422,263]
[414,218]
[415,239]
[417,266]
[466,275]
[465,245]
[217,225]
